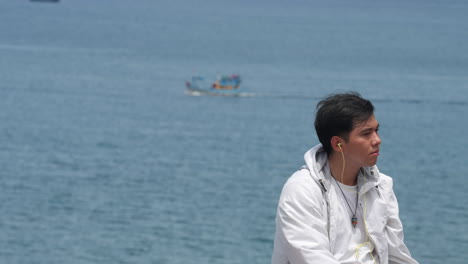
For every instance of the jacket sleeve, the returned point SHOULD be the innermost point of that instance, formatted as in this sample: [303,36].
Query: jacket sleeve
[301,223]
[398,253]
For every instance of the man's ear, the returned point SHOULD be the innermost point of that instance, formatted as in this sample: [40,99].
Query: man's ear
[336,143]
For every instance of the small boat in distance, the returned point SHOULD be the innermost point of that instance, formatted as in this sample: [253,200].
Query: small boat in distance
[226,85]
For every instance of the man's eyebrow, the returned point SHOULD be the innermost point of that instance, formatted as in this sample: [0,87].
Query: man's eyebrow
[369,128]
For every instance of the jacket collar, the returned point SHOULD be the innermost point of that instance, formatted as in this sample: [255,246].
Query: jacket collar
[317,161]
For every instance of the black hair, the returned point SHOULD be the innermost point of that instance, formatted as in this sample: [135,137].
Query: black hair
[337,114]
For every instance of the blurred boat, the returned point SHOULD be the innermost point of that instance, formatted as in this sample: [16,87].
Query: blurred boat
[226,85]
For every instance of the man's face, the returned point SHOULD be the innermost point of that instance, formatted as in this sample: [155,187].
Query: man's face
[362,148]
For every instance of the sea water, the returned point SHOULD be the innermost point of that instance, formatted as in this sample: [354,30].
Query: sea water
[104,159]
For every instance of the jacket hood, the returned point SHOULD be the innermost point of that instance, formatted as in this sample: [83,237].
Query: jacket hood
[316,159]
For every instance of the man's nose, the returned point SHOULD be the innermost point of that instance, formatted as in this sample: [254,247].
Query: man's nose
[377,141]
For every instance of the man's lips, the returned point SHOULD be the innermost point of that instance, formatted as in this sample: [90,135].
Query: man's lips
[375,153]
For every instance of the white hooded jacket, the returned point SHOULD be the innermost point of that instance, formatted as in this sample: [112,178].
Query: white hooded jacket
[306,221]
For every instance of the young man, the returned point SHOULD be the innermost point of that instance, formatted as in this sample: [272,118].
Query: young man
[339,208]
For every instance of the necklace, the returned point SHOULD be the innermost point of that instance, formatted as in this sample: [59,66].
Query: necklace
[353,218]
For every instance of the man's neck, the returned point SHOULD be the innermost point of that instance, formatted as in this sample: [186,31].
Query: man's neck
[348,176]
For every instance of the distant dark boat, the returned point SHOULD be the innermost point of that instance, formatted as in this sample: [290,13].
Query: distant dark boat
[45,1]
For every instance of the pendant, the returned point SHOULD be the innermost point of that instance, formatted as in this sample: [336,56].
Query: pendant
[354,220]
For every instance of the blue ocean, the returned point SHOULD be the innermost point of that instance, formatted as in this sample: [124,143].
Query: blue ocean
[105,159]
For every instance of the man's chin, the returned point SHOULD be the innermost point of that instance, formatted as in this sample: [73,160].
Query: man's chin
[372,163]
